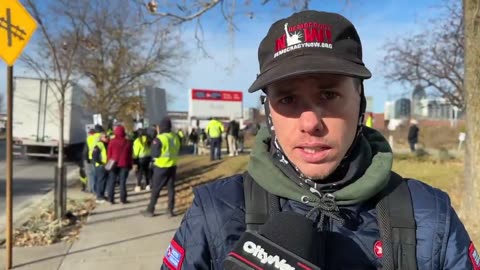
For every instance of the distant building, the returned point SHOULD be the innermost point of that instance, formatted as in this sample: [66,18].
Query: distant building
[402,108]
[369,107]
[418,96]
[389,110]
[421,107]
[252,114]
[3,122]
[179,120]
[155,100]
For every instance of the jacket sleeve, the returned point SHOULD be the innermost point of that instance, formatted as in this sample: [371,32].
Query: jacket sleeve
[110,150]
[459,252]
[129,154]
[96,155]
[85,153]
[135,149]
[191,241]
[207,130]
[156,148]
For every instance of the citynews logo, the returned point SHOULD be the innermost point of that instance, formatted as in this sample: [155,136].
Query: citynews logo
[257,251]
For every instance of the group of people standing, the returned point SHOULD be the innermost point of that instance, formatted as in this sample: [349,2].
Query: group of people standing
[152,156]
[108,160]
[212,136]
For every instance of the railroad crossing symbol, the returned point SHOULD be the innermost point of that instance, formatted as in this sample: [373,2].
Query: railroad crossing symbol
[16,29]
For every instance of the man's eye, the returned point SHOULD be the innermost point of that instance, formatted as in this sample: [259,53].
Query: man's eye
[329,95]
[286,100]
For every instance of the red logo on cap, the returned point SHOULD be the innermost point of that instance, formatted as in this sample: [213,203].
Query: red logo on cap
[378,249]
[304,35]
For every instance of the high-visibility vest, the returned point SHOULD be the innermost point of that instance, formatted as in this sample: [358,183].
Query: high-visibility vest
[103,153]
[214,129]
[140,148]
[84,180]
[369,122]
[180,134]
[170,148]
[91,142]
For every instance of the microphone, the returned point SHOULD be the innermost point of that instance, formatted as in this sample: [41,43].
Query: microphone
[287,241]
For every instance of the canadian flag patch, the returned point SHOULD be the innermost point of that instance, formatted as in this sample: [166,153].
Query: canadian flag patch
[474,257]
[378,249]
[174,256]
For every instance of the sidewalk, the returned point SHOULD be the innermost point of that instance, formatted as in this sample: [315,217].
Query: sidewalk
[115,237]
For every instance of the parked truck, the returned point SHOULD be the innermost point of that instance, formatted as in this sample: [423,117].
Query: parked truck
[36,125]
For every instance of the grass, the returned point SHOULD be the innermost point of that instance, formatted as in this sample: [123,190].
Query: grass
[197,170]
[446,176]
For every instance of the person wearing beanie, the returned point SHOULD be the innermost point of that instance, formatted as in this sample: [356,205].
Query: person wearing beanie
[142,159]
[89,165]
[412,137]
[99,157]
[164,152]
[315,164]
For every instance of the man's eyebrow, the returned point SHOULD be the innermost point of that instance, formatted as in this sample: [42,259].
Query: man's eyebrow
[281,91]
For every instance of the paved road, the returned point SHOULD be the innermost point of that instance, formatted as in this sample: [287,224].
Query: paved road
[31,180]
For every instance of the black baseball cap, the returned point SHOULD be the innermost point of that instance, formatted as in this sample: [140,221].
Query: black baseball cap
[310,42]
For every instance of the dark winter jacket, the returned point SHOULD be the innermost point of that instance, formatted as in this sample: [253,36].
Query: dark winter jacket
[413,133]
[120,149]
[233,128]
[216,219]
[193,137]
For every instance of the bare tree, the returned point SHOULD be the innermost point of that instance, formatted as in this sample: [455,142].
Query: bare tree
[125,54]
[184,11]
[433,58]
[188,10]
[53,60]
[471,196]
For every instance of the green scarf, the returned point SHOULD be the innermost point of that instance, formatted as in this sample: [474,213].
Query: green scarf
[375,178]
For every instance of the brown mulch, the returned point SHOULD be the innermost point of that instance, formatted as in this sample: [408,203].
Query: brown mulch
[42,229]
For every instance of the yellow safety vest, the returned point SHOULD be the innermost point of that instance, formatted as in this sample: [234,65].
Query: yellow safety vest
[214,129]
[84,180]
[140,148]
[91,142]
[170,148]
[369,122]
[103,153]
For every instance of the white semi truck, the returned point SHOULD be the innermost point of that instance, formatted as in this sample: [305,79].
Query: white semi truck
[36,122]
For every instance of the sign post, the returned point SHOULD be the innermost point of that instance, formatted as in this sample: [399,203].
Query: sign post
[16,29]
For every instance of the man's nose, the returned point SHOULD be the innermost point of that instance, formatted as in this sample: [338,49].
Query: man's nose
[311,121]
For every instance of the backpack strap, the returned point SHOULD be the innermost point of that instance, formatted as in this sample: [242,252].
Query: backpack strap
[397,225]
[259,204]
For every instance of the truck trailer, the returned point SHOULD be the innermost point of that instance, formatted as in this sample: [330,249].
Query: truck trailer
[36,125]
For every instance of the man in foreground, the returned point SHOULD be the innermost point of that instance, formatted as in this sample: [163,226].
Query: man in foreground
[316,159]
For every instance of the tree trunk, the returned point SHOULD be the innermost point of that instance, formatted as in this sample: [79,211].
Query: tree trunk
[60,190]
[471,198]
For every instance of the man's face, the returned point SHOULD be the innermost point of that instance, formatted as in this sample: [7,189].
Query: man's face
[104,137]
[315,119]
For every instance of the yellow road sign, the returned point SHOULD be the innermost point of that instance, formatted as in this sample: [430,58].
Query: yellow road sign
[16,28]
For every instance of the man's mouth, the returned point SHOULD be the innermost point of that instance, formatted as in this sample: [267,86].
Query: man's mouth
[314,153]
[313,150]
